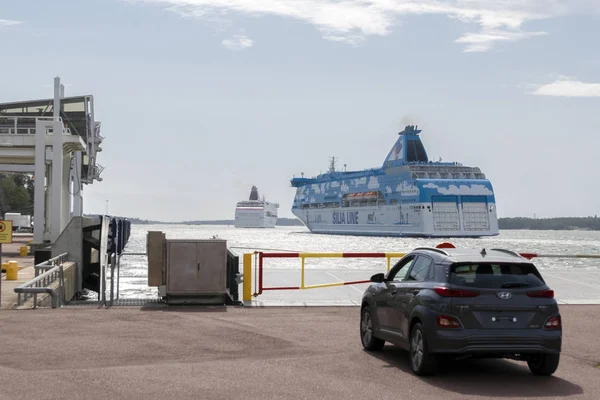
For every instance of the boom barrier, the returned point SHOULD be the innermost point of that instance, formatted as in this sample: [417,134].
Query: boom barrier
[253,267]
[259,267]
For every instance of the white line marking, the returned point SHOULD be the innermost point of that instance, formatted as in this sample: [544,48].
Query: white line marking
[341,280]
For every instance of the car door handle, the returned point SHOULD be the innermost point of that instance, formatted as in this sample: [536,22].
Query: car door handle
[393,291]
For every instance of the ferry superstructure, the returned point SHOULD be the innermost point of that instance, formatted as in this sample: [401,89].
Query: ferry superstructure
[255,212]
[409,195]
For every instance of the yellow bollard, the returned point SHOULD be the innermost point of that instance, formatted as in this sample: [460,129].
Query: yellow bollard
[23,251]
[247,283]
[12,271]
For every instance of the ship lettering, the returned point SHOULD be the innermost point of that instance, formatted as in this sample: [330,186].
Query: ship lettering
[350,217]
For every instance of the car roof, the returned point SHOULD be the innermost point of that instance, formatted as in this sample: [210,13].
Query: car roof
[453,255]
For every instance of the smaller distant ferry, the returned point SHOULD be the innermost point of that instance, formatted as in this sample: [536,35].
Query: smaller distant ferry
[255,212]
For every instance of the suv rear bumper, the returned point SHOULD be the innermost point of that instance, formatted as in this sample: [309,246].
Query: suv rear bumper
[465,341]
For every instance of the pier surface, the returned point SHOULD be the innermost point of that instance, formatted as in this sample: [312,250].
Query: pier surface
[10,252]
[257,353]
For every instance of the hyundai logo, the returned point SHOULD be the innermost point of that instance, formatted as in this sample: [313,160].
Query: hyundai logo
[504,295]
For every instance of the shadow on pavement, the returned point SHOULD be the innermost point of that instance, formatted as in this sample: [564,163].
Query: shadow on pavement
[490,378]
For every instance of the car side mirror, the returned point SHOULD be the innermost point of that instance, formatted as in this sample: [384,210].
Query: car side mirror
[378,278]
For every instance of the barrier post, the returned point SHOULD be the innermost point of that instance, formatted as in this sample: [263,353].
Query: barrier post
[302,281]
[247,287]
[389,261]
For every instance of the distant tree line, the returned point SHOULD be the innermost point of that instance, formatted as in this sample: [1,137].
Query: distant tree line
[280,222]
[564,223]
[16,193]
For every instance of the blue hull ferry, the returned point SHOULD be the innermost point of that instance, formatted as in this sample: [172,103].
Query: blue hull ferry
[409,195]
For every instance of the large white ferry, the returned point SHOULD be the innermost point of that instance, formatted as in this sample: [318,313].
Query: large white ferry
[255,212]
[408,196]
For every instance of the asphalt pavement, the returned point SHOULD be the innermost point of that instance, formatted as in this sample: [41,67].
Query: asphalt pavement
[257,353]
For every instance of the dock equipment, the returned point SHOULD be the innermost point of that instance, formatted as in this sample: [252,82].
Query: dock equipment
[192,271]
[93,245]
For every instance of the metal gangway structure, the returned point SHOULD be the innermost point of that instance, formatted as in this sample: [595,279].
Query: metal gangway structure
[57,140]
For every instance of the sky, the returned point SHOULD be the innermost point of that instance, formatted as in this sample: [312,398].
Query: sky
[201,99]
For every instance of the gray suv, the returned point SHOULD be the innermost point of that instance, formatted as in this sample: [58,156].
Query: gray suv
[462,303]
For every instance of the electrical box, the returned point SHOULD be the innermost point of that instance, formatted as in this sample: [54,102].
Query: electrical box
[196,269]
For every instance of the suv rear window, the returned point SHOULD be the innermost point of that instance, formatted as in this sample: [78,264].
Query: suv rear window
[495,276]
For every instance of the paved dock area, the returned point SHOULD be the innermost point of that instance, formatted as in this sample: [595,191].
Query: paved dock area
[10,252]
[256,353]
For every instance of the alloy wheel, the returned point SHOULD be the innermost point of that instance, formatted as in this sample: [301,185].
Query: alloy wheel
[417,349]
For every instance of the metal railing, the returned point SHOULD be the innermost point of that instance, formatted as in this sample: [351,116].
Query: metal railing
[116,264]
[46,274]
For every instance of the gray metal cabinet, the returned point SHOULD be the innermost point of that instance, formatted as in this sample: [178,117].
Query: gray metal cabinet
[196,267]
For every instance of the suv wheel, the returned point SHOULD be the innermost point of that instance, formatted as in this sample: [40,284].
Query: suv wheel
[543,364]
[421,361]
[367,337]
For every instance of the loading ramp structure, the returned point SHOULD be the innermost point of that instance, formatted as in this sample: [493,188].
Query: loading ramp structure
[57,141]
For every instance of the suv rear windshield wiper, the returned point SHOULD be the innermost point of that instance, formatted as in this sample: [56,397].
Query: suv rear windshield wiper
[514,285]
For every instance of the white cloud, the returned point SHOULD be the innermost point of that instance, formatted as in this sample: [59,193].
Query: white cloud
[430,186]
[237,42]
[316,188]
[567,87]
[352,21]
[483,41]
[335,184]
[407,189]
[8,22]
[360,181]
[373,183]
[344,187]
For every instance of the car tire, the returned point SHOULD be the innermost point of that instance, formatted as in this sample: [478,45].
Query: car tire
[367,335]
[421,361]
[543,364]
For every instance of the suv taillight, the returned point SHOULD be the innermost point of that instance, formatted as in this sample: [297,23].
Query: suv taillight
[553,322]
[542,294]
[447,292]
